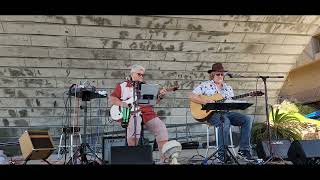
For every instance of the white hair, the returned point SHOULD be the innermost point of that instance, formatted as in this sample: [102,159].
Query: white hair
[136,67]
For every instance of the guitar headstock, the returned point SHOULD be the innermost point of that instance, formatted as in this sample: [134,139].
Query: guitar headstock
[256,93]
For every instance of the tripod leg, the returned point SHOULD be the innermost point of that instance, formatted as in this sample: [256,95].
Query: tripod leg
[83,153]
[269,159]
[65,148]
[225,147]
[231,155]
[71,146]
[205,161]
[95,155]
[74,156]
[46,161]
[272,158]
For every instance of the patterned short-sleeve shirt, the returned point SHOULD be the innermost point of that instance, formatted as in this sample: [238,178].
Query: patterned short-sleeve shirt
[209,88]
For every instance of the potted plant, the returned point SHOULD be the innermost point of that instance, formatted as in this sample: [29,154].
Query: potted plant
[282,126]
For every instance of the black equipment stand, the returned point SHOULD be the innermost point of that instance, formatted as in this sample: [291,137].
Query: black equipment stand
[86,95]
[272,155]
[264,79]
[221,108]
[136,97]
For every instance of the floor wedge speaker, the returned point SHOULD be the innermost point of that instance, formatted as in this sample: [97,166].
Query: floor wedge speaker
[108,142]
[304,152]
[131,155]
[279,147]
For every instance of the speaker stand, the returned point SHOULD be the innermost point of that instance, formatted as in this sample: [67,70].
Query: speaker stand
[273,157]
[82,149]
[83,154]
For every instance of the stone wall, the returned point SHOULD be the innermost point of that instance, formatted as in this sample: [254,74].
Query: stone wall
[41,56]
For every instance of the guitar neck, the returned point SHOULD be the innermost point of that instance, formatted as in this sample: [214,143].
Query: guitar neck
[240,96]
[236,97]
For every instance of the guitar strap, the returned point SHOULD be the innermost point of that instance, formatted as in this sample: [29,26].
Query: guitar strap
[125,117]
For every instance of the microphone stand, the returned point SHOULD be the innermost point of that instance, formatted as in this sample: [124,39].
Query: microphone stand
[136,95]
[264,79]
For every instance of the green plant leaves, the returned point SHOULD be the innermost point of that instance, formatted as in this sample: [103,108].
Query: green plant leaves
[282,126]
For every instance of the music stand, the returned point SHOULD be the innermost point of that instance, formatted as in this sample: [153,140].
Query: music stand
[221,107]
[86,95]
[148,95]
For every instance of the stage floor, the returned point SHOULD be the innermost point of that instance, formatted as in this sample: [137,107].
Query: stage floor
[187,156]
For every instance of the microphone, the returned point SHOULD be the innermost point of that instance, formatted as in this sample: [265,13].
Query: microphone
[232,75]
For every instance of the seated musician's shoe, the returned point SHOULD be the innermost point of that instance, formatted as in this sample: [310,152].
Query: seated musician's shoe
[246,155]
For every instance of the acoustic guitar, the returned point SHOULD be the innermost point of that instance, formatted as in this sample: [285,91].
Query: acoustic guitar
[204,115]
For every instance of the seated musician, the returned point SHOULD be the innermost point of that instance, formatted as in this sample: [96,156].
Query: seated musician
[217,85]
[124,91]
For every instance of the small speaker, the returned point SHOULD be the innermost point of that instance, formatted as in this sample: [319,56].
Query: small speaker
[36,144]
[131,155]
[108,142]
[279,147]
[304,152]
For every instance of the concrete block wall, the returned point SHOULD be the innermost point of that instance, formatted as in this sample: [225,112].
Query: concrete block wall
[41,56]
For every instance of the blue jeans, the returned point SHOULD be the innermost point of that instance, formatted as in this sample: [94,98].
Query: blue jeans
[235,119]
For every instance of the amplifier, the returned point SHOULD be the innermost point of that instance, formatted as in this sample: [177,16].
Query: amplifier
[108,142]
[131,155]
[280,148]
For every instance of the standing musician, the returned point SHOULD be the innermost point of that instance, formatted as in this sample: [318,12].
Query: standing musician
[124,91]
[215,85]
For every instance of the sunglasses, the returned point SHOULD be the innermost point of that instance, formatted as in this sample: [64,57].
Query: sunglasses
[139,74]
[219,74]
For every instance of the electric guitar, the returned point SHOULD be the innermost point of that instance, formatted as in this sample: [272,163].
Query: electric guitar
[116,111]
[203,115]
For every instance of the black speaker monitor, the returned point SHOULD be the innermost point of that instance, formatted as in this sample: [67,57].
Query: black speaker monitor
[131,155]
[108,142]
[280,148]
[304,152]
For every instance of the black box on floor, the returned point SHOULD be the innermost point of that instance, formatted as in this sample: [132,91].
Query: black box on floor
[190,145]
[305,152]
[108,142]
[131,155]
[279,147]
